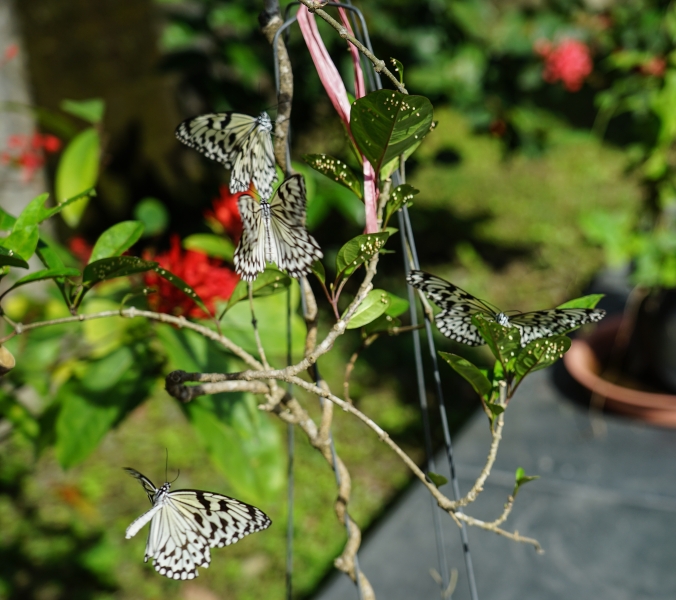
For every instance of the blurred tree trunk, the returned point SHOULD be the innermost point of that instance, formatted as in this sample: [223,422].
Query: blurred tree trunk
[81,49]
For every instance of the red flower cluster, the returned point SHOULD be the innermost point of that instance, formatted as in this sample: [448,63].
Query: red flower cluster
[570,61]
[80,248]
[226,213]
[27,152]
[205,275]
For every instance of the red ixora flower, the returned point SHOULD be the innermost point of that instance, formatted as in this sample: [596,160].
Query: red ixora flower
[27,152]
[569,61]
[226,212]
[210,280]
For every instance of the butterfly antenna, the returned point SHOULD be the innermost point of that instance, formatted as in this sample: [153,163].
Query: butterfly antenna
[166,464]
[178,474]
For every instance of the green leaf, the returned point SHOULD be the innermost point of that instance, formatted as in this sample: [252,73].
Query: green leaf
[78,170]
[437,479]
[584,302]
[24,236]
[359,250]
[116,240]
[109,389]
[242,442]
[374,305]
[401,195]
[336,170]
[496,409]
[41,275]
[521,478]
[6,220]
[318,269]
[10,258]
[470,373]
[88,110]
[153,214]
[271,281]
[211,245]
[539,354]
[384,323]
[386,123]
[504,342]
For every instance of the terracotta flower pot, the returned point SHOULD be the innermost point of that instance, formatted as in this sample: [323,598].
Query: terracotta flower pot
[584,362]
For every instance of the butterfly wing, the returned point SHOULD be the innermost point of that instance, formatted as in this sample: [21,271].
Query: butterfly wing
[291,247]
[255,162]
[250,252]
[556,321]
[457,307]
[239,142]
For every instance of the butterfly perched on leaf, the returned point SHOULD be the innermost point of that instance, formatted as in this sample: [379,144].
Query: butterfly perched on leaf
[458,307]
[275,232]
[240,142]
[184,524]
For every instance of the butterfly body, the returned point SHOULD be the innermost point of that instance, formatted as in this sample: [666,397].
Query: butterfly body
[458,307]
[185,524]
[241,143]
[275,232]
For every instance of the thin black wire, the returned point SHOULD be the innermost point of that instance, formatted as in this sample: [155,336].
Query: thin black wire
[290,453]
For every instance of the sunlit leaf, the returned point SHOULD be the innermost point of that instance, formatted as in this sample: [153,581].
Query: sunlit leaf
[23,239]
[116,240]
[386,123]
[11,259]
[374,305]
[520,479]
[584,302]
[539,354]
[78,171]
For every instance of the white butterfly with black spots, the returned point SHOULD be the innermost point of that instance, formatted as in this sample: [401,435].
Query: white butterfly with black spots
[275,232]
[458,306]
[242,143]
[184,524]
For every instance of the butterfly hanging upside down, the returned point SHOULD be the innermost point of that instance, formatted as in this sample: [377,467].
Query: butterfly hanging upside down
[275,232]
[458,307]
[184,524]
[240,142]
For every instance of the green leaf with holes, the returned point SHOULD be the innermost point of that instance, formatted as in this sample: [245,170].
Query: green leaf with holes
[336,170]
[539,354]
[374,305]
[271,281]
[359,250]
[385,124]
[402,195]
